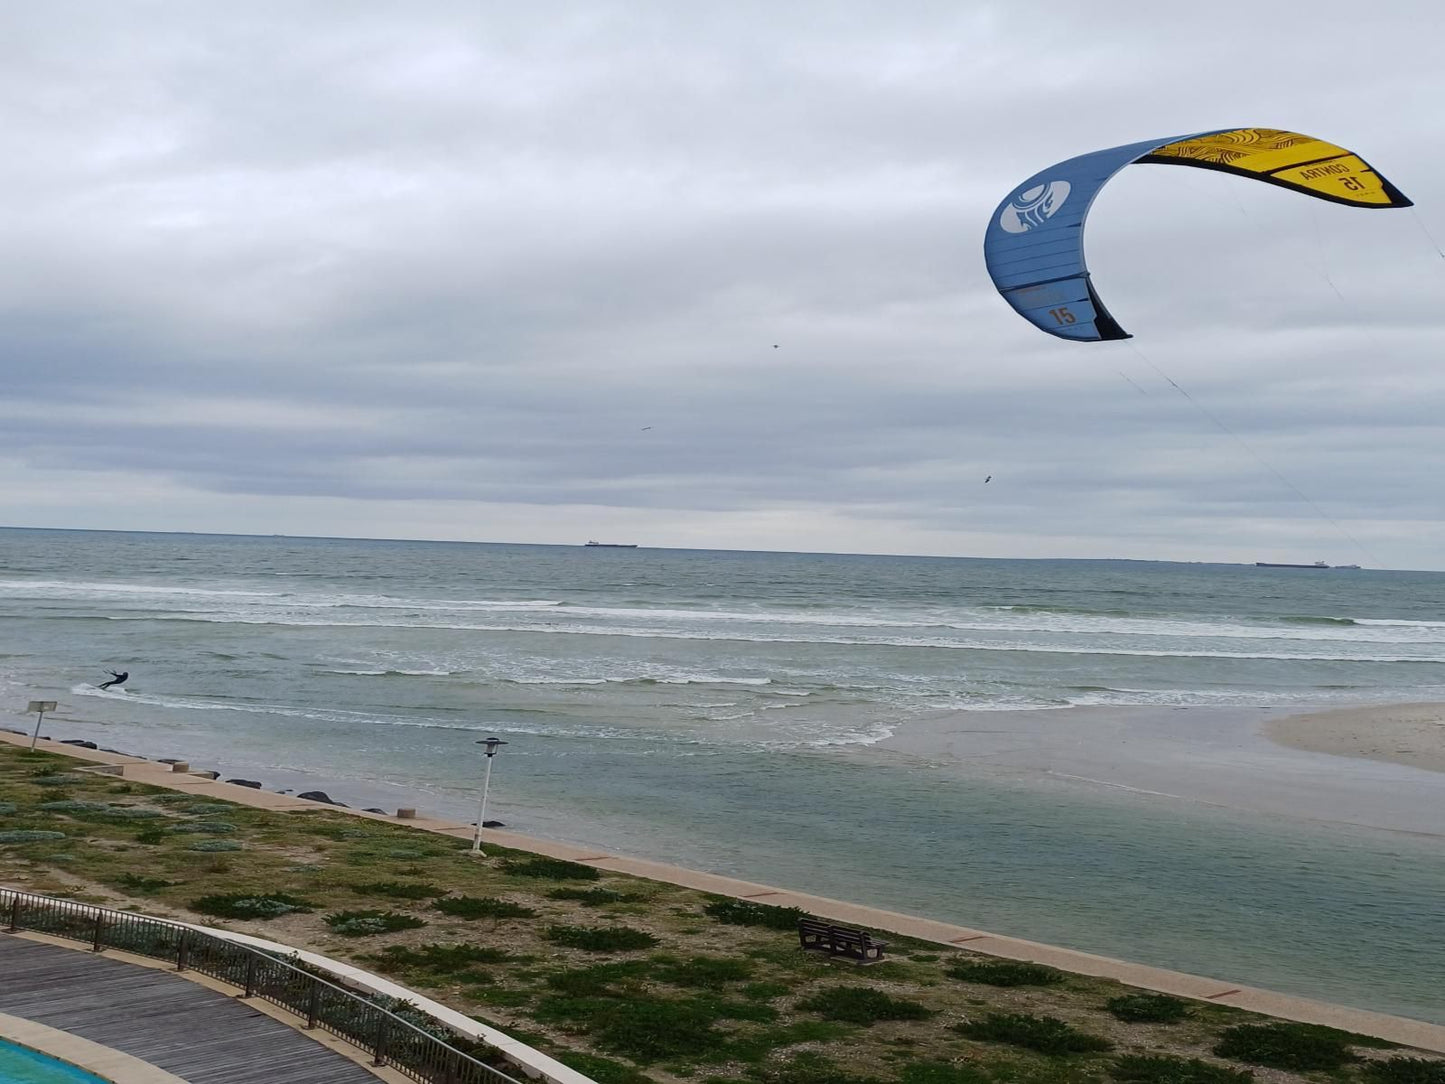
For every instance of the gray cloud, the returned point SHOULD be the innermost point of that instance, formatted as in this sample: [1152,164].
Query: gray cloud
[293,269]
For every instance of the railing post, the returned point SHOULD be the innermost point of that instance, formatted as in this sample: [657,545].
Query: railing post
[250,976]
[15,912]
[95,945]
[383,1031]
[313,1006]
[183,950]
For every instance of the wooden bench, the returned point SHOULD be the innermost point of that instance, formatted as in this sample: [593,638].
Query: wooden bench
[817,936]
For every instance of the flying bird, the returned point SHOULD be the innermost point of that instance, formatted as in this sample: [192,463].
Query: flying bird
[987,480]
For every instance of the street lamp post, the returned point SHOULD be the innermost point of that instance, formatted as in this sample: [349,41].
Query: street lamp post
[42,706]
[492,744]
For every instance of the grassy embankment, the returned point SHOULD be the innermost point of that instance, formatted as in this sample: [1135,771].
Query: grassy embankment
[629,980]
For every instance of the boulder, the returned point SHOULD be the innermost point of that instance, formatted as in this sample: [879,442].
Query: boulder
[317,796]
[245,783]
[79,742]
[374,810]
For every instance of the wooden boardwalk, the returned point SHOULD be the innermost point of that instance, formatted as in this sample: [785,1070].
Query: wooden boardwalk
[201,1035]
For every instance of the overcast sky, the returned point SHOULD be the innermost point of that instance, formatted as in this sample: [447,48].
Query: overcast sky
[711,275]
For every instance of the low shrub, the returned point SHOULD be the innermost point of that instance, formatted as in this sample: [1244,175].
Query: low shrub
[1148,1008]
[1044,1034]
[6,808]
[942,1072]
[207,808]
[1286,1046]
[862,1005]
[400,890]
[213,828]
[136,883]
[705,972]
[367,923]
[552,869]
[440,959]
[47,778]
[74,805]
[246,905]
[28,835]
[215,845]
[600,938]
[1406,1071]
[602,1070]
[589,897]
[599,980]
[153,834]
[809,1068]
[1168,1069]
[1004,973]
[747,913]
[481,907]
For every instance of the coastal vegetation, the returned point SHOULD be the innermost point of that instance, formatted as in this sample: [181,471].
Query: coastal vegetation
[627,980]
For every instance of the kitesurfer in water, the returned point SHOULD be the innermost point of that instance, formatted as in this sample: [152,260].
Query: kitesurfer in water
[115,679]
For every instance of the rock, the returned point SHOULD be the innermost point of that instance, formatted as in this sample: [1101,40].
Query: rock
[373,810]
[493,824]
[79,742]
[317,796]
[167,760]
[208,774]
[245,783]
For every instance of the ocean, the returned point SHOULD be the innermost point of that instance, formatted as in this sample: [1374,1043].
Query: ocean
[733,711]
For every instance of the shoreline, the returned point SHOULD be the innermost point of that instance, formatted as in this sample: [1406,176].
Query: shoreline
[1409,1031]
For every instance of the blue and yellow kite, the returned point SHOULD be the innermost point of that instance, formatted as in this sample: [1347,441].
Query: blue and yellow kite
[1034,246]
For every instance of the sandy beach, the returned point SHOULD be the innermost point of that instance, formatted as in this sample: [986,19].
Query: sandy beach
[1409,734]
[1252,760]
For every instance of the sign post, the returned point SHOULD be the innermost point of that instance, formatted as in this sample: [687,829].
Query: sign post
[42,706]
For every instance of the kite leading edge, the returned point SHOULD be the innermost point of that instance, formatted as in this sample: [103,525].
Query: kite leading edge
[1034,245]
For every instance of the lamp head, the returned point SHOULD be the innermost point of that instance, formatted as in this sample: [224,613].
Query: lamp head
[491,744]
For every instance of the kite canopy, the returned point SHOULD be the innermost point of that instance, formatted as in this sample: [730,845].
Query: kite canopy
[1034,246]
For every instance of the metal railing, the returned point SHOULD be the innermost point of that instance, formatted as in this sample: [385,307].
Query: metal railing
[387,1037]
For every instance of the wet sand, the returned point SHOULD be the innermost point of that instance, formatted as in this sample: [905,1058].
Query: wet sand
[1409,734]
[1256,761]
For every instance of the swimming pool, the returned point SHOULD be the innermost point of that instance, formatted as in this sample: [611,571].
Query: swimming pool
[21,1065]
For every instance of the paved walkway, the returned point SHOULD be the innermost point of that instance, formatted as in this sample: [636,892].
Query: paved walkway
[200,1035]
[1416,1033]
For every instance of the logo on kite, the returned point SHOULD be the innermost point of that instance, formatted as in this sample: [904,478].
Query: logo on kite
[1033,206]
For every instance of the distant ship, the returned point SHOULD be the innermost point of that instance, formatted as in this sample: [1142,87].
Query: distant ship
[614,545]
[1272,564]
